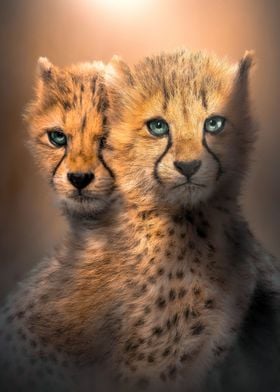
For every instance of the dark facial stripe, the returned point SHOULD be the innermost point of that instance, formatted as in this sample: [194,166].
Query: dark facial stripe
[220,169]
[93,84]
[168,146]
[84,122]
[203,98]
[100,156]
[166,96]
[59,163]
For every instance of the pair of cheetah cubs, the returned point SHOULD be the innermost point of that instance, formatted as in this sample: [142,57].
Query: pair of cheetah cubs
[158,272]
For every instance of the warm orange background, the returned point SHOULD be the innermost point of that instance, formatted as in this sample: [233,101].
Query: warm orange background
[74,30]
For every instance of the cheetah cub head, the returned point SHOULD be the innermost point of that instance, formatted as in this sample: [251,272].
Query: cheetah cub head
[180,127]
[66,122]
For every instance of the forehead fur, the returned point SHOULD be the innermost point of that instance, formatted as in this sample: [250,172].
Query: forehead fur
[69,87]
[197,74]
[181,76]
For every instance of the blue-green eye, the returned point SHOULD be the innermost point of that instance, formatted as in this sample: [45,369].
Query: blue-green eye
[214,124]
[158,127]
[57,138]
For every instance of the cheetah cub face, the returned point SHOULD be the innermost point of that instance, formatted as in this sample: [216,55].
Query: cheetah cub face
[182,128]
[66,124]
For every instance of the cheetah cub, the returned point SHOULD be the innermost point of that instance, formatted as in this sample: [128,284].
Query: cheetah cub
[66,129]
[153,295]
[182,122]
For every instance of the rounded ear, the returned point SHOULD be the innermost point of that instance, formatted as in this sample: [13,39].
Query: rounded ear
[45,69]
[118,69]
[245,64]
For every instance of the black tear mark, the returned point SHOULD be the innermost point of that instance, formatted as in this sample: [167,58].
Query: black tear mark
[59,163]
[220,169]
[102,144]
[159,159]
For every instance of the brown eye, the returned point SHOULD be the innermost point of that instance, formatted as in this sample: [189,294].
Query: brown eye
[57,138]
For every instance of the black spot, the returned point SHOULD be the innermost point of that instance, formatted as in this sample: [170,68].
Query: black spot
[196,291]
[201,232]
[183,235]
[187,313]
[180,274]
[209,304]
[167,253]
[161,303]
[182,293]
[147,309]
[175,319]
[218,350]
[20,314]
[160,271]
[151,358]
[189,217]
[131,346]
[171,232]
[157,331]
[152,279]
[185,357]
[195,313]
[139,322]
[166,352]
[140,357]
[172,295]
[170,276]
[197,328]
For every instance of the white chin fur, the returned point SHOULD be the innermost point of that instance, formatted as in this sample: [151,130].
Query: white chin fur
[82,208]
[188,195]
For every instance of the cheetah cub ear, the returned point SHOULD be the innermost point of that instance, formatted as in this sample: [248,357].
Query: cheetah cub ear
[45,69]
[119,71]
[48,78]
[245,64]
[119,80]
[241,79]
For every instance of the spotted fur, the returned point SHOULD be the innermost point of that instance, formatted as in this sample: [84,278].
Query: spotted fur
[72,100]
[155,291]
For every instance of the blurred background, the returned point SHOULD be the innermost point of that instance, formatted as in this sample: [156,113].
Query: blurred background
[68,31]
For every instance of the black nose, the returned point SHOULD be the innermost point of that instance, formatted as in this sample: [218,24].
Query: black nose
[80,180]
[187,168]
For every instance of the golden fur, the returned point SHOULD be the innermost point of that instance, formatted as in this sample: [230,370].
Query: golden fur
[73,100]
[156,290]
